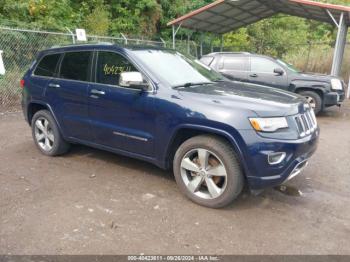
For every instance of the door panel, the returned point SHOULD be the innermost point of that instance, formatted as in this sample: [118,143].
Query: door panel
[121,118]
[68,94]
[262,73]
[234,67]
[69,100]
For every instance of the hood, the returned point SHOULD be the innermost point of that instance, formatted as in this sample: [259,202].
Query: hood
[264,101]
[315,77]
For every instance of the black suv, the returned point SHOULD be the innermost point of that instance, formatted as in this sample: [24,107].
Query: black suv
[321,91]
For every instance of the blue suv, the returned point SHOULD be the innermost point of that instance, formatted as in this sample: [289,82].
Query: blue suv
[160,106]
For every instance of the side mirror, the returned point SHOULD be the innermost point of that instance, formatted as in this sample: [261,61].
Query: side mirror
[278,71]
[133,80]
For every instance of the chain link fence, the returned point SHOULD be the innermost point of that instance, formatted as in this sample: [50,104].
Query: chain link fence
[20,48]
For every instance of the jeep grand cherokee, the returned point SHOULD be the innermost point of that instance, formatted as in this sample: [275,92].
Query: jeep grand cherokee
[170,110]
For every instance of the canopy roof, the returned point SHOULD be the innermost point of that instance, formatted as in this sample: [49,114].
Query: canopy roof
[223,16]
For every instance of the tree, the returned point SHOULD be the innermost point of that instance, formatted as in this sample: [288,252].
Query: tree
[149,18]
[98,21]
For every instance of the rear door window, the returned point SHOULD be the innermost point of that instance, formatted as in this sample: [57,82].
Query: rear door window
[76,66]
[47,65]
[109,67]
[236,63]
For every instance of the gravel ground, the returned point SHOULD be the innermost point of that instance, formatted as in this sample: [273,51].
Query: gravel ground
[94,202]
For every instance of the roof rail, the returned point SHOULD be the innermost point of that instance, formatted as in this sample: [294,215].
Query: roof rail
[105,43]
[234,53]
[83,44]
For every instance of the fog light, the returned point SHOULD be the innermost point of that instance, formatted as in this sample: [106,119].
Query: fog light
[276,158]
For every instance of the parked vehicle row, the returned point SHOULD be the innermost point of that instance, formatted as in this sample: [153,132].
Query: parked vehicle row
[321,91]
[170,110]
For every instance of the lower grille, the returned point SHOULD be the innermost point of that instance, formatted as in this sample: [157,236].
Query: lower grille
[306,123]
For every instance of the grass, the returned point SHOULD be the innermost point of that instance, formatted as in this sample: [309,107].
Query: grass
[320,60]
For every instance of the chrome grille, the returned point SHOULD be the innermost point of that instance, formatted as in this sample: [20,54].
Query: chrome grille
[306,123]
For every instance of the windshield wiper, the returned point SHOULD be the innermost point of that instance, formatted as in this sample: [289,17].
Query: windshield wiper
[189,84]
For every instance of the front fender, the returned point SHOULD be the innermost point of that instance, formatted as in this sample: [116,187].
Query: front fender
[312,85]
[229,133]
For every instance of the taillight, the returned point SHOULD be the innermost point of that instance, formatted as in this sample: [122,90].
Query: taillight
[22,83]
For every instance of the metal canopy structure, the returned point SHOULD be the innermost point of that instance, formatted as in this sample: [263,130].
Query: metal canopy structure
[223,16]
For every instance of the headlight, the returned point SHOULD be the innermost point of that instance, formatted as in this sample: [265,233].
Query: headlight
[336,84]
[268,124]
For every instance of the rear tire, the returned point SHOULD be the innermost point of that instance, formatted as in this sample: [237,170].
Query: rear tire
[208,172]
[46,134]
[314,99]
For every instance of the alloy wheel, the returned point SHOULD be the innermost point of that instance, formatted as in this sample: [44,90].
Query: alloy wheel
[203,173]
[43,134]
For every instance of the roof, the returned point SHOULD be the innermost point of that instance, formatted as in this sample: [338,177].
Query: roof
[240,54]
[223,16]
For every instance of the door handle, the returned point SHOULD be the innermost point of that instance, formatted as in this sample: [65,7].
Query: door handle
[253,75]
[97,92]
[54,85]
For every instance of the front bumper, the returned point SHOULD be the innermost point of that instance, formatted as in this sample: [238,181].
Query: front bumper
[297,169]
[260,174]
[334,98]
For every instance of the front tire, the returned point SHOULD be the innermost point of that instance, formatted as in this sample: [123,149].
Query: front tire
[313,99]
[208,172]
[46,134]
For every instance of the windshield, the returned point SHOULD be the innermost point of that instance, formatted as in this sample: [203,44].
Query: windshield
[289,66]
[177,69]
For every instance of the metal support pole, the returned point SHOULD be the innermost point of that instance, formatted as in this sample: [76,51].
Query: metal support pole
[164,43]
[308,56]
[222,43]
[188,44]
[348,93]
[340,46]
[72,34]
[125,39]
[173,37]
[211,44]
[201,46]
[174,33]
